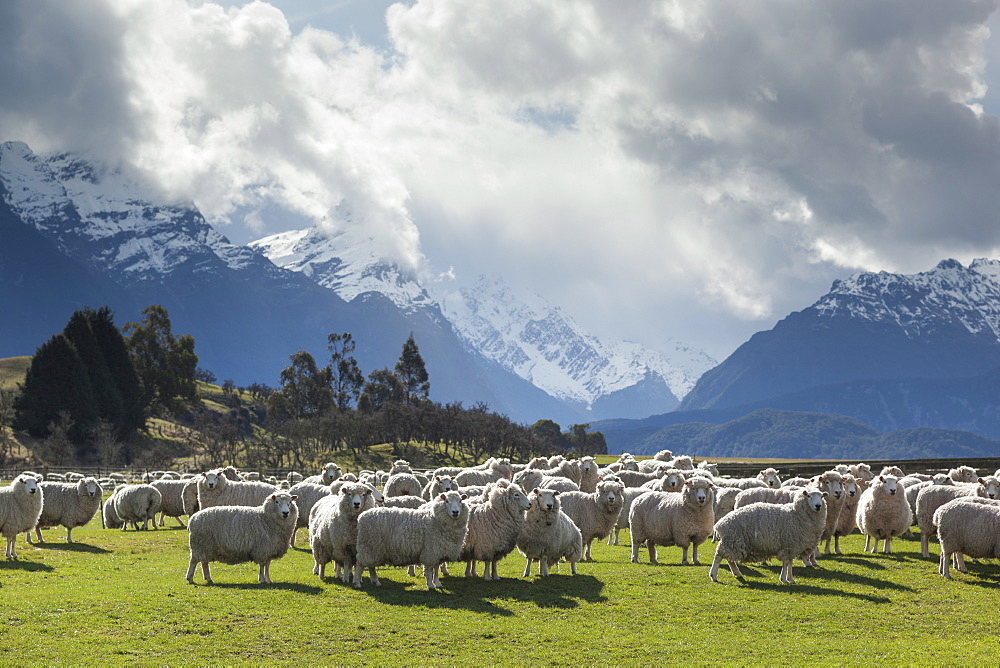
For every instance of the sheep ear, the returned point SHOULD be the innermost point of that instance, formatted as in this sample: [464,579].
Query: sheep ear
[555,492]
[464,497]
[274,497]
[343,490]
[981,481]
[443,497]
[826,494]
[881,478]
[294,496]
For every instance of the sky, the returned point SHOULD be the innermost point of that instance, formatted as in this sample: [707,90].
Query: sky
[670,170]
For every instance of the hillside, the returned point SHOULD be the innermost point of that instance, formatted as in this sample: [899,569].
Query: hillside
[12,370]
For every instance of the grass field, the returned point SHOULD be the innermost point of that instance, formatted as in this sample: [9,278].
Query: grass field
[114,597]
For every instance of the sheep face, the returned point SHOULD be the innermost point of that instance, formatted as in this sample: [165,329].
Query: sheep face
[889,484]
[453,506]
[990,487]
[357,494]
[30,484]
[815,499]
[673,481]
[850,485]
[609,495]
[698,491]
[212,478]
[942,479]
[770,478]
[518,498]
[546,499]
[280,504]
[587,464]
[88,487]
[831,482]
[446,482]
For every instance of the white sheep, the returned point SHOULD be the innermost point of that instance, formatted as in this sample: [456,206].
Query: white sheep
[496,471]
[328,474]
[770,477]
[136,503]
[672,481]
[189,496]
[240,534]
[638,478]
[932,497]
[69,504]
[738,483]
[307,494]
[438,484]
[333,529]
[430,536]
[400,484]
[967,526]
[588,474]
[20,507]
[797,481]
[913,491]
[668,518]
[402,501]
[725,501]
[109,518]
[757,532]
[764,495]
[494,526]
[832,483]
[171,498]
[664,456]
[594,514]
[217,489]
[963,474]
[548,534]
[629,495]
[862,473]
[883,512]
[846,522]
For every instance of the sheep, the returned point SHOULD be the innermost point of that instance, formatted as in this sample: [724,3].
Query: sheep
[672,481]
[725,501]
[930,498]
[328,474]
[438,484]
[557,482]
[189,496]
[494,526]
[429,536]
[765,495]
[832,483]
[496,471]
[109,518]
[307,495]
[637,478]
[240,534]
[668,518]
[846,522]
[893,471]
[770,477]
[862,473]
[963,474]
[684,463]
[234,475]
[588,474]
[171,498]
[548,534]
[883,512]
[136,503]
[404,501]
[629,495]
[69,504]
[20,507]
[594,514]
[740,483]
[664,456]
[797,481]
[653,465]
[967,526]
[912,491]
[401,484]
[760,531]
[217,489]
[333,529]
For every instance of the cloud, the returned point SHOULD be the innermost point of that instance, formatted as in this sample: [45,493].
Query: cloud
[685,169]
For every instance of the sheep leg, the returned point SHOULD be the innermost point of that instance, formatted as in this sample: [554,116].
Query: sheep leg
[925,540]
[444,571]
[320,569]
[943,565]
[437,575]
[69,535]
[179,521]
[836,544]
[786,572]
[734,568]
[527,568]
[543,567]
[190,573]
[10,548]
[826,550]
[887,545]
[694,554]
[652,551]
[636,543]
[262,574]
[38,532]
[868,539]
[373,577]
[163,517]
[493,569]
[960,562]
[572,567]
[429,576]
[587,556]
[470,568]
[713,572]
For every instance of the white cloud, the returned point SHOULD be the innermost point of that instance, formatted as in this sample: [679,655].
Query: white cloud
[670,168]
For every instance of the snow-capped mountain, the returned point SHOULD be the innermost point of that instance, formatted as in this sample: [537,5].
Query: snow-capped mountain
[939,324]
[521,333]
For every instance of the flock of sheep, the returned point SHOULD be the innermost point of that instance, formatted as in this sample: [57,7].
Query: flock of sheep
[550,510]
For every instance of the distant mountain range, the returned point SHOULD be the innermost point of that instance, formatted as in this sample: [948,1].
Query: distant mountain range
[76,233]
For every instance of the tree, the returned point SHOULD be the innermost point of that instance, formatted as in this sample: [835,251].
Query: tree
[306,387]
[165,364]
[58,445]
[56,382]
[382,389]
[412,373]
[347,377]
[550,436]
[114,350]
[586,443]
[109,450]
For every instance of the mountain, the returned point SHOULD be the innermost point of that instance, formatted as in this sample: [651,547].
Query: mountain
[524,335]
[936,325]
[76,234]
[774,433]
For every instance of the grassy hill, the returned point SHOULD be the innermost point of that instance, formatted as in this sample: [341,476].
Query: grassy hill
[12,370]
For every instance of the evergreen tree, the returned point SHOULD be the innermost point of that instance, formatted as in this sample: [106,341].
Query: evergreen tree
[412,373]
[164,364]
[123,375]
[56,381]
[383,388]
[80,333]
[347,377]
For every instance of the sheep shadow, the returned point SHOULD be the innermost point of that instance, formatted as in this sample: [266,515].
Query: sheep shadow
[812,574]
[486,597]
[297,587]
[21,565]
[70,547]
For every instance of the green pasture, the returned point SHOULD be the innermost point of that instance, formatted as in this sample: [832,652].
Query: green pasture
[118,597]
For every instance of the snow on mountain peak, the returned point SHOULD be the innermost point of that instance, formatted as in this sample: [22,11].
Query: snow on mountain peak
[949,294]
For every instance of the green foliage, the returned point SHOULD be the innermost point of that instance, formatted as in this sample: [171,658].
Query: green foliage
[114,351]
[412,373]
[306,387]
[165,364]
[347,379]
[854,610]
[56,382]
